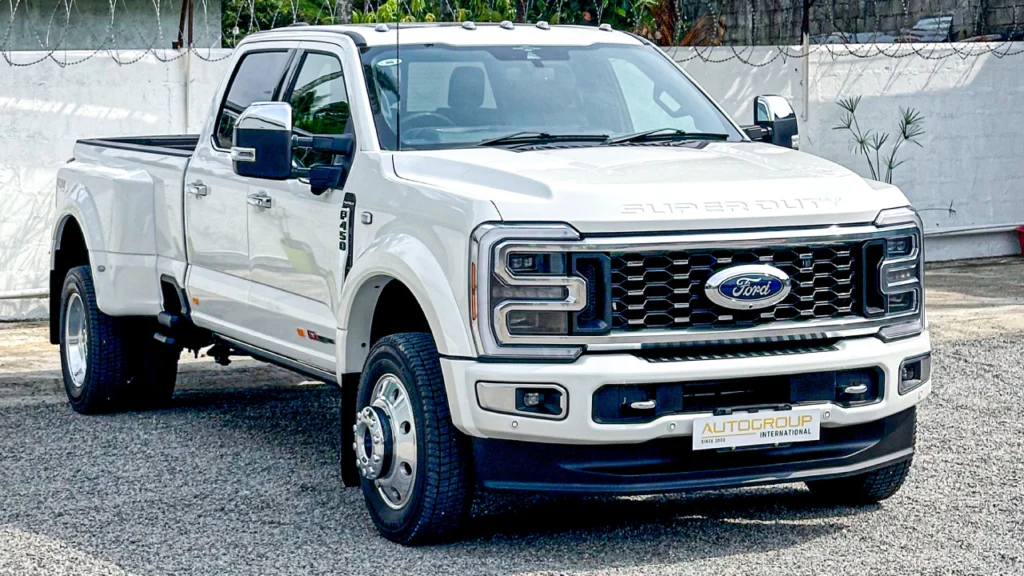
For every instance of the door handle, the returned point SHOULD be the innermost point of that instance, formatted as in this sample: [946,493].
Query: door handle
[197,189]
[260,200]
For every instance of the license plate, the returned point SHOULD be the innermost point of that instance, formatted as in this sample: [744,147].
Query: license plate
[762,428]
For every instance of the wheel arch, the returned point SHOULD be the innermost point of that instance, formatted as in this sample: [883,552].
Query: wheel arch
[70,249]
[389,273]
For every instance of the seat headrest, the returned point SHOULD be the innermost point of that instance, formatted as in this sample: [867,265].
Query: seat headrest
[466,87]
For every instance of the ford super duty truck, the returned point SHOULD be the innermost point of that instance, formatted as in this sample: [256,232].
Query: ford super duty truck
[533,257]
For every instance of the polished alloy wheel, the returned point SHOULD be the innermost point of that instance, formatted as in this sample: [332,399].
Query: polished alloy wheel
[76,341]
[385,442]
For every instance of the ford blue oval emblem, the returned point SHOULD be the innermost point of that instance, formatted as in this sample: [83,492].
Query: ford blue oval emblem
[748,287]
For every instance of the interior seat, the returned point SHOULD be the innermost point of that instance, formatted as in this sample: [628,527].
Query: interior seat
[466,88]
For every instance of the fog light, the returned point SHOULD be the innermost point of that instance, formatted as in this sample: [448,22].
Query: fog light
[546,402]
[914,372]
[532,400]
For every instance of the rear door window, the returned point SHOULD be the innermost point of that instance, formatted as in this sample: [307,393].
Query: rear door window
[256,79]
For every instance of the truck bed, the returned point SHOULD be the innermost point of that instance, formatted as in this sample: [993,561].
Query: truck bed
[128,195]
[173,145]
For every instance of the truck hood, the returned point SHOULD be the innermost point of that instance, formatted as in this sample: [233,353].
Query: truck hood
[615,189]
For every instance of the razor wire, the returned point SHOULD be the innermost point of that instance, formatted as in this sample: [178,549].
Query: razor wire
[69,32]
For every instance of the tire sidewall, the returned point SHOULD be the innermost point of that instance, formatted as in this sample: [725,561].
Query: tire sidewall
[73,285]
[384,360]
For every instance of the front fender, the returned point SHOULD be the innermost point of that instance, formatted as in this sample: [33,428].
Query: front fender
[404,258]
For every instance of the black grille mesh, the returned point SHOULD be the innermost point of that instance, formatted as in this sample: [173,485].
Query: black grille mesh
[665,290]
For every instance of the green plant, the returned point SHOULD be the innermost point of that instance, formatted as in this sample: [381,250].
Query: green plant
[243,17]
[870,142]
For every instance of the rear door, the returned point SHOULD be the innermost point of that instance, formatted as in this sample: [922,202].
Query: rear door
[297,254]
[216,197]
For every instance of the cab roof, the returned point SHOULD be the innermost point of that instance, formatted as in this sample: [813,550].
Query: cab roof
[460,34]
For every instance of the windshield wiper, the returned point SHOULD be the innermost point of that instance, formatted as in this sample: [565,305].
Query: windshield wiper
[665,134]
[528,137]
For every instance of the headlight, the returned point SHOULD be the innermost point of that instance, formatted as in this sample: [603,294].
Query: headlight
[894,267]
[525,287]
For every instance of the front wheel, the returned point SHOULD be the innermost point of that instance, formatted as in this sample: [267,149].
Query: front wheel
[413,463]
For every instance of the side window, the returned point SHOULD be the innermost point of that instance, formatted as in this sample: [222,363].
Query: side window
[319,104]
[256,78]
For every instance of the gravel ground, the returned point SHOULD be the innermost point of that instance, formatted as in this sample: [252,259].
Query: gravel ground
[240,476]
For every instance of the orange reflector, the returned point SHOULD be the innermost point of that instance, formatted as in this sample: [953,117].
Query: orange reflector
[472,292]
[301,332]
[195,301]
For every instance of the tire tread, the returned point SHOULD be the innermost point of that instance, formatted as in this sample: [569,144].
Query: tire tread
[108,361]
[447,492]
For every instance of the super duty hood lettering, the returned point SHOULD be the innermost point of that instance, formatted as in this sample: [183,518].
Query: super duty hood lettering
[683,208]
[725,185]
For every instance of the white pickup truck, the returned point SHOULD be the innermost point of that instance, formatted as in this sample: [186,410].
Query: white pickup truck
[533,257]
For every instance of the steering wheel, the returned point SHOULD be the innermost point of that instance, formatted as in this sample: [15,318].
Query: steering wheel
[409,122]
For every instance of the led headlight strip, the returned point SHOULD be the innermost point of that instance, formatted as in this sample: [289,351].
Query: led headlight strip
[523,284]
[901,273]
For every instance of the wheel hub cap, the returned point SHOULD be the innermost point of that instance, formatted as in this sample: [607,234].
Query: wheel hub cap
[76,340]
[373,442]
[385,442]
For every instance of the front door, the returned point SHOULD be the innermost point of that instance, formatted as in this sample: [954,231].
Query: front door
[297,258]
[215,199]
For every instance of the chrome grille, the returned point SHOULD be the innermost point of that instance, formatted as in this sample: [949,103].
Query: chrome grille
[665,290]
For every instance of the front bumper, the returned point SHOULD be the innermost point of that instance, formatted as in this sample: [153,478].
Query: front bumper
[584,376]
[669,465]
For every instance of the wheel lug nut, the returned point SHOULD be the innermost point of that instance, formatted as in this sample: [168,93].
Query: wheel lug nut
[376,458]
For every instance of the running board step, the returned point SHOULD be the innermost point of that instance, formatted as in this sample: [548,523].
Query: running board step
[164,339]
[168,320]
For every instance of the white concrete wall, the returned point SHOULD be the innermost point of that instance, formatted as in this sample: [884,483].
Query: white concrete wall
[973,156]
[45,108]
[104,24]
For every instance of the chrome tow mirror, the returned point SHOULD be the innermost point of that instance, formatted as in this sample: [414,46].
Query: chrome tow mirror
[262,142]
[775,122]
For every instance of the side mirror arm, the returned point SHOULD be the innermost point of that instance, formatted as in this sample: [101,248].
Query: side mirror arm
[323,177]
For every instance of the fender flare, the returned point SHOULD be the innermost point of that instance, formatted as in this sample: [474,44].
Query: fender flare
[77,203]
[403,258]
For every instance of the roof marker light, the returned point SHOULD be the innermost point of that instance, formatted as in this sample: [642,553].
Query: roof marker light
[606,27]
[543,25]
[381,28]
[469,25]
[507,25]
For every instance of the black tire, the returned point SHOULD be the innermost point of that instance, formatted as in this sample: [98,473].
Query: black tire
[863,489]
[155,373]
[442,494]
[107,357]
[350,477]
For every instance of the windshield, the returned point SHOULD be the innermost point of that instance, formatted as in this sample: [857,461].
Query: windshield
[458,97]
